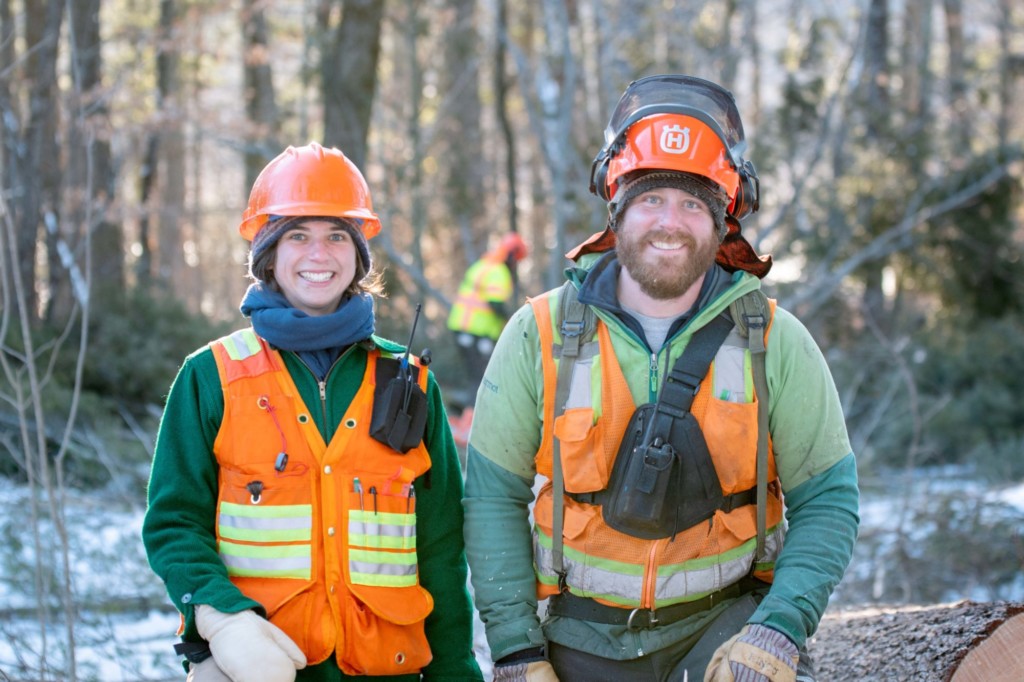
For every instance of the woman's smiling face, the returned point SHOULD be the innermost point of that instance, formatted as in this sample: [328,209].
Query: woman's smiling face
[314,265]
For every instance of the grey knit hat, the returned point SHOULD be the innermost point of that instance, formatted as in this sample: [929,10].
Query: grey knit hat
[710,194]
[273,230]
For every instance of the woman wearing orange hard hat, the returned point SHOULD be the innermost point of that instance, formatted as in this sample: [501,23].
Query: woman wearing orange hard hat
[304,502]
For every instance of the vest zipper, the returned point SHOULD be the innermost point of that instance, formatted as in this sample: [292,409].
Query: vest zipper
[653,388]
[322,384]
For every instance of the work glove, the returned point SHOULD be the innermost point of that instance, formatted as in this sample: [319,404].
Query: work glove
[248,647]
[755,654]
[525,666]
[534,671]
[207,671]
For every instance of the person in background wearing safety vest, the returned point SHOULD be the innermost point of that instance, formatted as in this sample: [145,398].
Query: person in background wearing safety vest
[483,305]
[680,422]
[304,500]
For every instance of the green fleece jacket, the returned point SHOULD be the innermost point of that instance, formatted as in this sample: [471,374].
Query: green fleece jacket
[178,530]
[812,451]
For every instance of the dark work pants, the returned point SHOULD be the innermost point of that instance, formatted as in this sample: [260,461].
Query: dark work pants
[669,664]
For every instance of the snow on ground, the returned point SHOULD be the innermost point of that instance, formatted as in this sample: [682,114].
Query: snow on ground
[133,643]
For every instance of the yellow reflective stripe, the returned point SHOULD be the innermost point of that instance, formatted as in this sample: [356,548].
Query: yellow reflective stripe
[383,530]
[622,583]
[389,562]
[369,533]
[256,511]
[270,523]
[241,344]
[269,561]
[385,569]
[383,580]
[382,542]
[383,518]
[234,532]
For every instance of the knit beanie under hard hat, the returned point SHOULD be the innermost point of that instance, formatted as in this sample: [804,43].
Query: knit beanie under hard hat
[711,195]
[274,228]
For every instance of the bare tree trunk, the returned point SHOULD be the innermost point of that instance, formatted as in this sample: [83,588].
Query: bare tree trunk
[549,95]
[349,55]
[877,116]
[1011,68]
[501,89]
[91,181]
[960,133]
[461,127]
[418,214]
[260,100]
[171,235]
[37,159]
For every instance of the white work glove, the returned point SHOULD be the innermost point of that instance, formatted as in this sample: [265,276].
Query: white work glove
[755,654]
[207,671]
[248,647]
[525,671]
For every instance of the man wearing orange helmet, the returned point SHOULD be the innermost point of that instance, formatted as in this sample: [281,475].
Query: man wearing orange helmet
[679,421]
[482,305]
[304,496]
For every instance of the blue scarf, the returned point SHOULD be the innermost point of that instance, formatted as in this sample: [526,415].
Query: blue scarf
[318,340]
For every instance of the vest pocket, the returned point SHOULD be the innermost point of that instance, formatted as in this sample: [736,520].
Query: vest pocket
[585,460]
[730,430]
[265,528]
[384,627]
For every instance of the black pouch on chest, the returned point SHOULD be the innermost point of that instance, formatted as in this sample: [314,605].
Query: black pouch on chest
[399,406]
[663,479]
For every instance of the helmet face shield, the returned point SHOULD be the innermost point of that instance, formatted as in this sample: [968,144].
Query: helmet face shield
[686,95]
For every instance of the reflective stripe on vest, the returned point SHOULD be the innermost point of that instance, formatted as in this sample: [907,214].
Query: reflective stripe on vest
[619,582]
[382,548]
[485,281]
[241,344]
[602,563]
[732,377]
[288,546]
[266,527]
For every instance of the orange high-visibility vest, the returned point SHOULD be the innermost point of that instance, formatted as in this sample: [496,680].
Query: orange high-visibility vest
[619,569]
[326,543]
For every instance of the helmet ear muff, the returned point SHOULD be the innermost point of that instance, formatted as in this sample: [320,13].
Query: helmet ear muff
[748,192]
[746,201]
[599,172]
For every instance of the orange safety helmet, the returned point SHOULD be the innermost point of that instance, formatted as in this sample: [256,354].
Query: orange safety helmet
[677,123]
[512,245]
[310,180]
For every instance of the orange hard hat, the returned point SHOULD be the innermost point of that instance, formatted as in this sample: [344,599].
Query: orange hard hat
[513,245]
[676,143]
[682,124]
[310,180]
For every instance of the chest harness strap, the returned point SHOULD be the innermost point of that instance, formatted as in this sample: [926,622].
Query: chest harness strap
[577,325]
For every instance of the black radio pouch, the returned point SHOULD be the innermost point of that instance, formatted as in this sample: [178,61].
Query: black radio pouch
[399,406]
[663,479]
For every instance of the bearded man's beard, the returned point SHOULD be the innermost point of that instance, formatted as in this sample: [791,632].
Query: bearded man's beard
[664,278]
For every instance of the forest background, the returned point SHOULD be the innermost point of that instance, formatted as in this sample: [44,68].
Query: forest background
[887,135]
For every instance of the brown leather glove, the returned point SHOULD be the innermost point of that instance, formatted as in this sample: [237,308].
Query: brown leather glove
[756,654]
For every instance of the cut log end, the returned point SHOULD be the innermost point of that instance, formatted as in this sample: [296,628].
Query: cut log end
[997,658]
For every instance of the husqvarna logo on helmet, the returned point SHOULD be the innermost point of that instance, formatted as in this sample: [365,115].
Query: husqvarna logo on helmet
[674,139]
